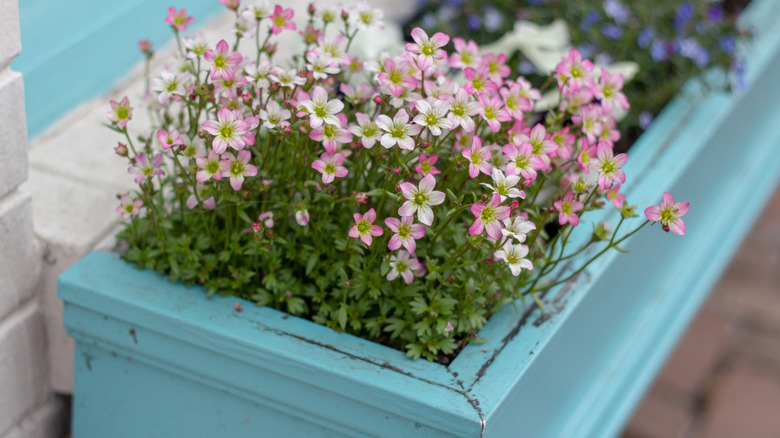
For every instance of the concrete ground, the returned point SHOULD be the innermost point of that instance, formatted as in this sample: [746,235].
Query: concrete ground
[723,379]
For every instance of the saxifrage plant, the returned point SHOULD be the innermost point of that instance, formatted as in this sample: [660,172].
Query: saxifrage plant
[404,199]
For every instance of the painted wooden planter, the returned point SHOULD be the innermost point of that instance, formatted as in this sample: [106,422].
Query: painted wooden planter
[158,359]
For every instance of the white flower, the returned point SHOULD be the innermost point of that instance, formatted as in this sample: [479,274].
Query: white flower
[398,130]
[420,199]
[505,185]
[169,85]
[461,110]
[285,78]
[513,256]
[433,116]
[321,110]
[274,116]
[517,228]
[404,265]
[363,17]
[367,130]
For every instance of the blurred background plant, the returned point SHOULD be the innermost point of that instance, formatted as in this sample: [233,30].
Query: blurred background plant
[670,40]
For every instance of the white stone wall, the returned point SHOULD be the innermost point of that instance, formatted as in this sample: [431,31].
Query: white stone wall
[28,408]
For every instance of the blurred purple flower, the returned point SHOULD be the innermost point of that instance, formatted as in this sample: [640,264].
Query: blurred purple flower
[715,13]
[617,10]
[727,43]
[691,49]
[611,31]
[658,50]
[591,18]
[646,36]
[683,15]
[645,119]
[493,19]
[526,68]
[473,22]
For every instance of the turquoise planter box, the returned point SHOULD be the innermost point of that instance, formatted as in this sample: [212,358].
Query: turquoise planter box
[158,359]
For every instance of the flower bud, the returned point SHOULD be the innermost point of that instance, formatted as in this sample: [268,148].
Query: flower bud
[121,149]
[377,100]
[628,211]
[601,231]
[256,227]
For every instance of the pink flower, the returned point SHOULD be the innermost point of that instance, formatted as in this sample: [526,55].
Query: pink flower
[465,55]
[398,130]
[267,219]
[239,168]
[320,109]
[607,90]
[211,167]
[479,158]
[492,110]
[428,49]
[223,62]
[230,4]
[587,152]
[198,192]
[281,19]
[516,101]
[396,77]
[364,228]
[169,139]
[405,233]
[615,197]
[433,116]
[129,207]
[590,120]
[145,46]
[144,169]
[401,263]
[302,217]
[479,81]
[420,199]
[669,214]
[121,112]
[522,161]
[568,208]
[331,166]
[179,20]
[542,145]
[608,166]
[332,135]
[489,217]
[227,131]
[425,165]
[572,71]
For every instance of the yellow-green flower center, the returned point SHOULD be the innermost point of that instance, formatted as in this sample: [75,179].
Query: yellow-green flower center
[420,199]
[405,231]
[363,227]
[488,215]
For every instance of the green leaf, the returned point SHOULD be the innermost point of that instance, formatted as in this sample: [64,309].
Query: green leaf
[342,316]
[243,216]
[392,196]
[451,196]
[313,259]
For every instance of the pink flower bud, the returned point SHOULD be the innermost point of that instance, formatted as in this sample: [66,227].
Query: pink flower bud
[238,307]
[145,46]
[377,100]
[121,149]
[515,204]
[288,294]
[256,227]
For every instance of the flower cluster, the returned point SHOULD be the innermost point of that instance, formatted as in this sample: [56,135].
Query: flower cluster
[670,40]
[403,199]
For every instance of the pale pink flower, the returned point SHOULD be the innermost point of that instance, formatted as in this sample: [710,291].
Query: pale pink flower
[420,199]
[229,85]
[589,118]
[321,64]
[331,166]
[572,71]
[230,4]
[145,169]
[406,233]
[607,90]
[129,207]
[367,130]
[479,80]
[196,46]
[192,201]
[169,139]
[433,116]
[320,109]
[492,110]
[608,166]
[428,49]
[364,228]
[356,95]
[227,131]
[282,19]
[403,264]
[497,67]
[239,168]
[260,74]
[522,160]
[568,208]
[514,256]
[515,101]
[179,19]
[302,217]
[274,116]
[121,112]
[466,54]
[489,217]
[504,185]
[517,228]
[608,132]
[211,166]
[669,214]
[542,145]
[425,165]
[266,218]
[363,17]
[257,12]
[398,130]
[223,62]
[614,196]
[168,85]
[332,136]
[565,142]
[479,158]
[396,77]
[286,78]
[335,46]
[587,152]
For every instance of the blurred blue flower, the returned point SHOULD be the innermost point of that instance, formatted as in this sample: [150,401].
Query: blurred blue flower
[453,2]
[493,19]
[659,51]
[611,31]
[428,20]
[617,10]
[691,49]
[683,15]
[603,59]
[740,81]
[646,36]
[727,43]
[591,18]
[715,13]
[645,119]
[587,50]
[473,22]
[526,68]
[536,2]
